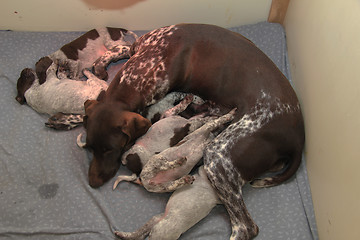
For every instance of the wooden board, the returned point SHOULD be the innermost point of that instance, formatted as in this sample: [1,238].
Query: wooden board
[278,11]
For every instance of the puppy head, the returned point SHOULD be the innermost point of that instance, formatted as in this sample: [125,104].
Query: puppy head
[26,79]
[109,129]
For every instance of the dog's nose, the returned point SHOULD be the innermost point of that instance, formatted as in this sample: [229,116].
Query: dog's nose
[95,182]
[20,99]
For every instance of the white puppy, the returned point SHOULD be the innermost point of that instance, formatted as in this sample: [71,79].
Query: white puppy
[64,95]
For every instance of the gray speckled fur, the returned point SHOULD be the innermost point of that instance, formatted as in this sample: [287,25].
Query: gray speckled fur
[63,95]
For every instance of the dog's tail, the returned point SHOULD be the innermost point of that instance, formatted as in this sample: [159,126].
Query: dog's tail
[284,174]
[132,34]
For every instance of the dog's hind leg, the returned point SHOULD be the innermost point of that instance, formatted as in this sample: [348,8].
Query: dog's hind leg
[227,181]
[142,232]
[115,54]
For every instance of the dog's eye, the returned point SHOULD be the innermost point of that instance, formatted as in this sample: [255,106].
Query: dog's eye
[107,150]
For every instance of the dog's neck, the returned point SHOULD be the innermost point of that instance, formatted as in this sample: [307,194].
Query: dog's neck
[128,101]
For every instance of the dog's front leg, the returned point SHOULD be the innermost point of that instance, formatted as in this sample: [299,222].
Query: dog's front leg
[64,121]
[169,186]
[161,175]
[179,107]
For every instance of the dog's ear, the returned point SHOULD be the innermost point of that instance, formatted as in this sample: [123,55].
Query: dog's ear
[26,79]
[85,118]
[88,105]
[41,67]
[134,125]
[101,96]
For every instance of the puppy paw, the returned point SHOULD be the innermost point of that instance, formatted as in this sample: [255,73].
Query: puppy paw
[189,179]
[102,75]
[123,235]
[180,162]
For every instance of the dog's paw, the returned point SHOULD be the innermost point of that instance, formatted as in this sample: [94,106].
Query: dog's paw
[189,179]
[123,235]
[180,162]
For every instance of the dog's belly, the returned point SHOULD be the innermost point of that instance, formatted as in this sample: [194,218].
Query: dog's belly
[94,49]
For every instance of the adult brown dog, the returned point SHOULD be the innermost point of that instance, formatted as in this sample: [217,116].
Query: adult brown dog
[219,65]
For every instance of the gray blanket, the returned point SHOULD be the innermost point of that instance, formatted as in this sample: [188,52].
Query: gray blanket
[44,191]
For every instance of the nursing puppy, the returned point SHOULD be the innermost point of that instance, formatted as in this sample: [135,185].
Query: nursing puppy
[163,134]
[217,65]
[169,169]
[188,204]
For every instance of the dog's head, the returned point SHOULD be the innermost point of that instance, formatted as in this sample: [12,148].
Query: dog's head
[109,129]
[26,79]
[28,76]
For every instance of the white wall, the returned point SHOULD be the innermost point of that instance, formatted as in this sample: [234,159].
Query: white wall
[70,15]
[324,47]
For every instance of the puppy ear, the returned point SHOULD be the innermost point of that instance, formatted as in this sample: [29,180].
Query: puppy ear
[101,96]
[40,68]
[26,79]
[135,125]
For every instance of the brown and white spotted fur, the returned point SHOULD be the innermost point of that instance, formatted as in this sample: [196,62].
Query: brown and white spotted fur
[163,134]
[169,169]
[170,149]
[111,44]
[188,204]
[65,121]
[217,65]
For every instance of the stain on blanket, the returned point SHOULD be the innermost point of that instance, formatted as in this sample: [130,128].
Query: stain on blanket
[48,191]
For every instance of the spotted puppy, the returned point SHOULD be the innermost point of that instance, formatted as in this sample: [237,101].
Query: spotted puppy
[111,44]
[169,150]
[186,207]
[168,170]
[107,43]
[55,95]
[163,134]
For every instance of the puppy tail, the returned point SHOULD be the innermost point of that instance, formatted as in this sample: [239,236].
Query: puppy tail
[131,33]
[284,174]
